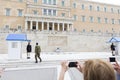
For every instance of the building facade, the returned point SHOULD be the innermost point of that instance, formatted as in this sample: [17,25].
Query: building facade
[59,15]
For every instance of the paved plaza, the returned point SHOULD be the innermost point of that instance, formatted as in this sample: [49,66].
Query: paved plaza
[48,69]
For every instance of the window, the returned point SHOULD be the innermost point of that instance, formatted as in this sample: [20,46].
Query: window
[90,7]
[7,11]
[44,1]
[83,18]
[49,12]
[106,31]
[35,12]
[49,2]
[99,20]
[91,19]
[75,17]
[19,27]
[118,11]
[74,5]
[112,29]
[20,12]
[54,2]
[118,21]
[106,20]
[63,14]
[112,10]
[83,30]
[44,11]
[91,30]
[20,0]
[98,8]
[99,31]
[54,13]
[6,27]
[113,21]
[35,1]
[105,9]
[14,45]
[63,3]
[83,7]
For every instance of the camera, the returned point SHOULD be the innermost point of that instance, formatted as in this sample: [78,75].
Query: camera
[72,64]
[112,59]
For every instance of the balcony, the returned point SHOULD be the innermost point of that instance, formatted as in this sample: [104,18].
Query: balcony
[43,17]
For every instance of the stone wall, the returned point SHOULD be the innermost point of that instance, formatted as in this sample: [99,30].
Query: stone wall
[66,42]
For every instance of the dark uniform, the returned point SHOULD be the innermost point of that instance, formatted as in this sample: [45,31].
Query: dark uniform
[37,53]
[112,49]
[29,49]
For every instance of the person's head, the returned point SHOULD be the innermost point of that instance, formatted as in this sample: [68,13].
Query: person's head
[98,70]
[36,43]
[28,43]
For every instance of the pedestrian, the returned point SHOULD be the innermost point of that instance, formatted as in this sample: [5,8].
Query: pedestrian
[94,69]
[37,53]
[29,49]
[113,49]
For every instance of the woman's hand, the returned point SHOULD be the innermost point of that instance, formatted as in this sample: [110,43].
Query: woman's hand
[80,66]
[64,68]
[117,67]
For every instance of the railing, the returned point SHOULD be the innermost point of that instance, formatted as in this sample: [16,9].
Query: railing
[47,17]
[60,32]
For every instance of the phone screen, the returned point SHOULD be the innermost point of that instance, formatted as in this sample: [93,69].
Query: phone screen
[72,64]
[112,59]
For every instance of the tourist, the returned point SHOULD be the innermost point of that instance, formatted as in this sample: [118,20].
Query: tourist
[37,53]
[92,70]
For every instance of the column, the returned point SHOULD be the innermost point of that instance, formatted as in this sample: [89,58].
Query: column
[26,25]
[63,26]
[47,11]
[47,26]
[53,26]
[68,27]
[42,26]
[36,25]
[72,29]
[58,27]
[31,25]
[69,13]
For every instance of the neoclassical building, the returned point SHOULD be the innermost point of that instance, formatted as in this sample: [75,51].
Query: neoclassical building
[59,15]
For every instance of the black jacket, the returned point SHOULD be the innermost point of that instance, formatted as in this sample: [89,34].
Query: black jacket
[112,47]
[29,48]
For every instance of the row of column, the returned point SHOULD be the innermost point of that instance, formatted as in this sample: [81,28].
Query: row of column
[69,26]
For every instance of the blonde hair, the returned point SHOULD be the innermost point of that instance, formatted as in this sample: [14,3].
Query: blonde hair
[98,70]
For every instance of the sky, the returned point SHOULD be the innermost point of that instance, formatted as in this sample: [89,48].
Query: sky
[115,2]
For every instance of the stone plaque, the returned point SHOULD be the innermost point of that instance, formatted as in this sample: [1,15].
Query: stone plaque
[57,40]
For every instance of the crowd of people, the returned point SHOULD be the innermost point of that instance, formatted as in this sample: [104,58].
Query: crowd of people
[94,69]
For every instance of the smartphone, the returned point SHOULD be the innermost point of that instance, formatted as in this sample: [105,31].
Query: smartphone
[72,64]
[112,59]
